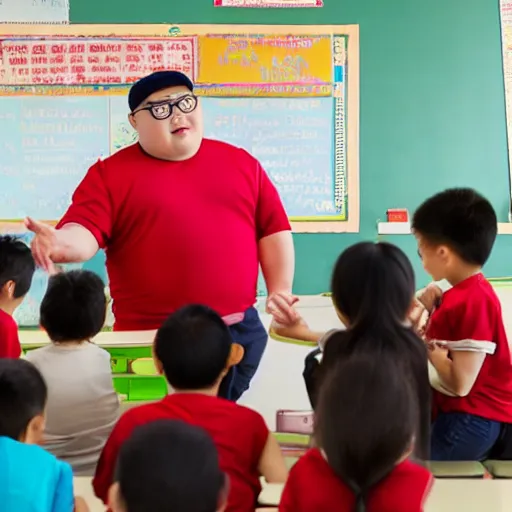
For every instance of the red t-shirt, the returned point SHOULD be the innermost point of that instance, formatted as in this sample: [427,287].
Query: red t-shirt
[177,233]
[9,342]
[471,310]
[239,433]
[314,486]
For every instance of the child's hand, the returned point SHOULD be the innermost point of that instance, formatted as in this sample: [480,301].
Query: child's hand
[299,330]
[430,297]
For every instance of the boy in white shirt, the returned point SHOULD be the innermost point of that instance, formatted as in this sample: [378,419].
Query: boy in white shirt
[82,404]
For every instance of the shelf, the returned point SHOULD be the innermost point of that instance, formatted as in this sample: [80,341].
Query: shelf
[404,228]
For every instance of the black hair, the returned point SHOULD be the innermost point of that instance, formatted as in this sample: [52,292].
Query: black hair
[74,306]
[373,286]
[366,421]
[22,396]
[169,465]
[460,218]
[16,264]
[193,345]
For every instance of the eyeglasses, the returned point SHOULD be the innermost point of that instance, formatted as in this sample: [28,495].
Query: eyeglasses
[163,110]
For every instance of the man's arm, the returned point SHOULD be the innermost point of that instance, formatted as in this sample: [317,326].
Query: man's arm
[74,244]
[277,260]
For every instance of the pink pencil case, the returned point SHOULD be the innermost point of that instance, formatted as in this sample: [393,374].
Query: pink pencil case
[294,422]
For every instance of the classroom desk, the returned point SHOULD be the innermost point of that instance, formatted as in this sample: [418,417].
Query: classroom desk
[446,496]
[119,339]
[83,488]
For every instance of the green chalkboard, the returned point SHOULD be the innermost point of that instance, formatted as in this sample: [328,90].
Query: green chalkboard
[432,105]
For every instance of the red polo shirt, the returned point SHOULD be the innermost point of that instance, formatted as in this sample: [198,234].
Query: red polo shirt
[177,233]
[9,341]
[471,310]
[239,433]
[313,486]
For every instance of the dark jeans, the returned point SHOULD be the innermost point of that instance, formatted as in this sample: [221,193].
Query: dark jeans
[251,334]
[458,436]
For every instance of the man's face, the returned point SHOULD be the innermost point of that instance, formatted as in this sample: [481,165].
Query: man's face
[179,136]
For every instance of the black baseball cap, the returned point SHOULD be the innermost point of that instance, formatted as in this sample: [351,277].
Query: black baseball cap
[156,82]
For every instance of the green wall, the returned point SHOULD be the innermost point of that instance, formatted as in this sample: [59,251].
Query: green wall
[432,105]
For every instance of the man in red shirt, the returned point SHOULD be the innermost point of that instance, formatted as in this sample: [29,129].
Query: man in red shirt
[16,271]
[182,219]
[456,230]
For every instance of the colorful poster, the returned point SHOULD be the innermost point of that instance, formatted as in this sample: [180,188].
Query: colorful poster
[34,11]
[268,3]
[506,35]
[277,60]
[92,61]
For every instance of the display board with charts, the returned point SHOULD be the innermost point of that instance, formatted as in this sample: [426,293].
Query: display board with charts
[287,94]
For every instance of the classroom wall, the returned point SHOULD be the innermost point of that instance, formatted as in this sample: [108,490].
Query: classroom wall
[432,106]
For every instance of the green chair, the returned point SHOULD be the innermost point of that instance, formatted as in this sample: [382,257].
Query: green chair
[461,469]
[499,468]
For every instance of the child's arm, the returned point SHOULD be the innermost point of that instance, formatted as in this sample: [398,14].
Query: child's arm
[272,466]
[80,505]
[458,372]
[298,330]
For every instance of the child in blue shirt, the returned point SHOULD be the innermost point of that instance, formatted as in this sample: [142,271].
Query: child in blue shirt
[31,479]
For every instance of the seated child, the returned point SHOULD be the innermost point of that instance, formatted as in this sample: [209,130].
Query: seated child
[194,350]
[16,271]
[82,404]
[456,230]
[365,426]
[33,480]
[373,292]
[169,465]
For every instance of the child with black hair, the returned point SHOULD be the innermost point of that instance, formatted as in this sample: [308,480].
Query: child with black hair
[17,268]
[83,406]
[456,230]
[32,479]
[365,428]
[169,465]
[373,292]
[194,350]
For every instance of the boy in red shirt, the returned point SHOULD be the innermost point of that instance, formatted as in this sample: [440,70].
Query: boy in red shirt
[364,428]
[194,350]
[169,465]
[456,230]
[16,271]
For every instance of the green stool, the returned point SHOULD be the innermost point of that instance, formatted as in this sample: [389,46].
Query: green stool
[499,468]
[295,440]
[461,469]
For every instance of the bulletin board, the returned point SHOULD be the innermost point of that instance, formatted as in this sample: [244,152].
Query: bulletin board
[287,94]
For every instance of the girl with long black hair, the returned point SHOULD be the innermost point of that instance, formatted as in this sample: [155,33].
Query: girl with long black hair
[373,290]
[365,430]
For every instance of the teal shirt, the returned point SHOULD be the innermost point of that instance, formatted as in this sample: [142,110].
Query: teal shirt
[33,480]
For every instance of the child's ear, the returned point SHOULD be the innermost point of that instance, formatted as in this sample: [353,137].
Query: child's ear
[8,289]
[223,496]
[35,430]
[236,355]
